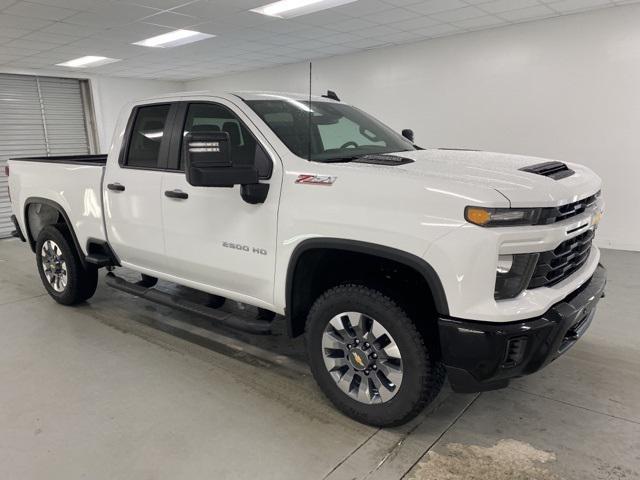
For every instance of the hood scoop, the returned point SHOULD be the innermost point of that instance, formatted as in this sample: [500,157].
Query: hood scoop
[390,160]
[555,170]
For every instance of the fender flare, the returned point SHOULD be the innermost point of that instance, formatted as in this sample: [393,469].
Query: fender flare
[389,253]
[55,205]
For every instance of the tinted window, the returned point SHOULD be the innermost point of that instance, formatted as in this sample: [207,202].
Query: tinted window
[345,132]
[245,150]
[146,136]
[337,131]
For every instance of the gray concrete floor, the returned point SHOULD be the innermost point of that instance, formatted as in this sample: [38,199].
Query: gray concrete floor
[119,388]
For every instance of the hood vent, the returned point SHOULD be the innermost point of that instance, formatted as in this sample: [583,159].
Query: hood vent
[390,160]
[555,170]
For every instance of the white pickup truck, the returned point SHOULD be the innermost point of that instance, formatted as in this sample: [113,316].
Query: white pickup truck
[398,263]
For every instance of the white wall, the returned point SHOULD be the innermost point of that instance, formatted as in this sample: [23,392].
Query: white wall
[110,94]
[565,88]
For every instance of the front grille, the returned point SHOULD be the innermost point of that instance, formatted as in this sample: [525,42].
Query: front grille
[558,264]
[550,215]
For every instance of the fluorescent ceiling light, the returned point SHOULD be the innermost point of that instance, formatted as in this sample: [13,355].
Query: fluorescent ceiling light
[88,61]
[174,39]
[295,8]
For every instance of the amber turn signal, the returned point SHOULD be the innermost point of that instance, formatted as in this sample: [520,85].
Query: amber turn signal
[477,215]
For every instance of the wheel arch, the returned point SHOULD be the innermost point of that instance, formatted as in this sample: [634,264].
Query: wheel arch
[52,206]
[413,262]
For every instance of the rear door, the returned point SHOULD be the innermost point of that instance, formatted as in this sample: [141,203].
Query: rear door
[132,188]
[214,239]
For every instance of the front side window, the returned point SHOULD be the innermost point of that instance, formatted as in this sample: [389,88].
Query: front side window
[245,150]
[146,136]
[337,132]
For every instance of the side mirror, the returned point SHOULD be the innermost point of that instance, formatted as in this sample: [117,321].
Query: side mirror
[208,162]
[408,134]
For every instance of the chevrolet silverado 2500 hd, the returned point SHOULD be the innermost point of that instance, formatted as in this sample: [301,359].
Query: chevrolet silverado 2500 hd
[398,263]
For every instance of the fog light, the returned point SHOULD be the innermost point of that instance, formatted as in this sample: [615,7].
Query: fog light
[513,274]
[505,262]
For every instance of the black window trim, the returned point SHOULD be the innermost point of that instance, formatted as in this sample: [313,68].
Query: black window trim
[180,121]
[167,135]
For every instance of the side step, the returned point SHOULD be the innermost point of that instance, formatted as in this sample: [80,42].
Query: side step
[98,259]
[222,318]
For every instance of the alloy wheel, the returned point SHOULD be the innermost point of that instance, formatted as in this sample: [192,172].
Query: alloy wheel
[362,357]
[54,266]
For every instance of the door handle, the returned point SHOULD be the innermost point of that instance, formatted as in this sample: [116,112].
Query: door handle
[116,187]
[179,194]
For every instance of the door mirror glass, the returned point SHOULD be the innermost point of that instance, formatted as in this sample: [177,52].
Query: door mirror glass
[408,134]
[208,161]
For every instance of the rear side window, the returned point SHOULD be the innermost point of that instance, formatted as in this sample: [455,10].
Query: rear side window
[146,136]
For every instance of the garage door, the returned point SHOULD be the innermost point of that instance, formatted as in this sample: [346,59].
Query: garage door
[38,116]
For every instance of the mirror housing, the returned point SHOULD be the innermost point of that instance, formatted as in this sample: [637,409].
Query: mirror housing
[254,193]
[208,162]
[408,134]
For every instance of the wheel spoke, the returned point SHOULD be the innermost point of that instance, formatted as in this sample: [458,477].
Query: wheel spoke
[373,389]
[345,380]
[349,321]
[392,351]
[336,328]
[361,324]
[336,366]
[355,387]
[390,377]
[329,341]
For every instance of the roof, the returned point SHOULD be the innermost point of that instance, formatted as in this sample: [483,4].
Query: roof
[245,95]
[266,95]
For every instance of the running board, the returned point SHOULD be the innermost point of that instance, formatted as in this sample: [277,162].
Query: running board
[222,318]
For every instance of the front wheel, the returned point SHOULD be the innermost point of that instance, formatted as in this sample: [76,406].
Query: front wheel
[60,268]
[368,357]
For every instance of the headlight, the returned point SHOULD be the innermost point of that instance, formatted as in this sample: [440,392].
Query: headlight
[513,273]
[501,217]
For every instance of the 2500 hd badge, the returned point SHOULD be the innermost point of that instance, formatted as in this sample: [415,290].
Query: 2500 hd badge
[245,248]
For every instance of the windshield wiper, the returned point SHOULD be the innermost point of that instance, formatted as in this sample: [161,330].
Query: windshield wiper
[340,159]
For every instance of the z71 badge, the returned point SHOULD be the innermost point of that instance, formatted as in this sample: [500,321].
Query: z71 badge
[311,179]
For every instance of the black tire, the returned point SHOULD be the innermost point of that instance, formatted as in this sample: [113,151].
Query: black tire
[423,374]
[81,282]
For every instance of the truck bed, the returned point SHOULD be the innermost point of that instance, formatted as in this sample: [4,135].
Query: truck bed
[97,160]
[72,184]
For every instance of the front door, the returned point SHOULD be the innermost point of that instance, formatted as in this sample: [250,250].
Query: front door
[132,189]
[213,238]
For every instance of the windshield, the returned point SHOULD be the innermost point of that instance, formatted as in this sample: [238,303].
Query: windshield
[338,132]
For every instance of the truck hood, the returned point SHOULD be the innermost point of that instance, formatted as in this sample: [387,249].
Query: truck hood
[500,172]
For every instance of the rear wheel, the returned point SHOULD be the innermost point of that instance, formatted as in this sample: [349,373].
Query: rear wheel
[60,268]
[368,357]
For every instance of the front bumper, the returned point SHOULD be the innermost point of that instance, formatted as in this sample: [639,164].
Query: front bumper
[483,356]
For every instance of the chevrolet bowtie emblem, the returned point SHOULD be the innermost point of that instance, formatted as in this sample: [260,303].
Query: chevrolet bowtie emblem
[358,359]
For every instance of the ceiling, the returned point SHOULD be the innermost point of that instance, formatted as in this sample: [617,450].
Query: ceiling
[38,34]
